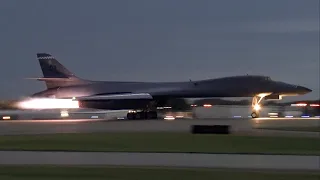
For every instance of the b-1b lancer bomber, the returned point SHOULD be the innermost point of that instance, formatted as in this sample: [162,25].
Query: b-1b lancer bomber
[143,98]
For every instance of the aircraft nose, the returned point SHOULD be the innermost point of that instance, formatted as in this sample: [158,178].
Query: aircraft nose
[304,89]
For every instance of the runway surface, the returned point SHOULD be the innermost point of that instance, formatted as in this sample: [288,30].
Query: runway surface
[238,126]
[280,162]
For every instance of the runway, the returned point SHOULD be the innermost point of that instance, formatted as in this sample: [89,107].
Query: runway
[89,125]
[280,162]
[238,126]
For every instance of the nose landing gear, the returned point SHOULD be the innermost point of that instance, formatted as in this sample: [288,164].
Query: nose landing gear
[256,105]
[254,114]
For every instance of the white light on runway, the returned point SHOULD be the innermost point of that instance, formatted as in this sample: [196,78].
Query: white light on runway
[169,118]
[6,117]
[64,114]
[272,114]
[288,118]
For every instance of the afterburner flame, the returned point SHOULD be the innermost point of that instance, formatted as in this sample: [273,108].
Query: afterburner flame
[48,103]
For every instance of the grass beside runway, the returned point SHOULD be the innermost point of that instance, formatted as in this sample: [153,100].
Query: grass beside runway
[143,173]
[162,142]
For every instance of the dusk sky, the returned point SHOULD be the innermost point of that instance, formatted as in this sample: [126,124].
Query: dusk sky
[164,40]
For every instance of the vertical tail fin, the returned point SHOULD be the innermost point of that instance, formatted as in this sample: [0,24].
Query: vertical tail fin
[51,68]
[55,74]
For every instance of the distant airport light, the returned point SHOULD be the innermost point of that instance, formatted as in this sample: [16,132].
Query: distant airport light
[314,105]
[289,116]
[305,116]
[237,116]
[169,118]
[164,107]
[207,105]
[64,114]
[6,117]
[299,104]
[272,114]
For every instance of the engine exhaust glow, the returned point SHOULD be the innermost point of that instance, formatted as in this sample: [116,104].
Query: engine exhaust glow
[48,103]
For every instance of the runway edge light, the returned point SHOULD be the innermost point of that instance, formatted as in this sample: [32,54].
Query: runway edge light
[6,117]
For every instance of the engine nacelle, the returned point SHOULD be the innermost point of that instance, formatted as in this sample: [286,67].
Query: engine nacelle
[114,104]
[273,97]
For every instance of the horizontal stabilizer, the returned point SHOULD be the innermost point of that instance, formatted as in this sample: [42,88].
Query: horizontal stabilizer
[126,96]
[52,79]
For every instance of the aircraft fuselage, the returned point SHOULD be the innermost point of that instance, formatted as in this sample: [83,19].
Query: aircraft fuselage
[238,86]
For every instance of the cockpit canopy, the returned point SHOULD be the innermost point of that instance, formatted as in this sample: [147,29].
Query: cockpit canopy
[253,77]
[266,78]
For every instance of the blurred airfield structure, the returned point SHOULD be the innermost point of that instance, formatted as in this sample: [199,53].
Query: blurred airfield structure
[175,109]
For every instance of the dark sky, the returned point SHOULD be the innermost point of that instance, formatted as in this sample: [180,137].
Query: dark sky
[167,40]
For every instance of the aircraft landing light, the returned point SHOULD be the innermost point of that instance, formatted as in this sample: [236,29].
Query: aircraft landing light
[257,107]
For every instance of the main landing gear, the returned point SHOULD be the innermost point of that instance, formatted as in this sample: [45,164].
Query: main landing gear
[140,115]
[256,105]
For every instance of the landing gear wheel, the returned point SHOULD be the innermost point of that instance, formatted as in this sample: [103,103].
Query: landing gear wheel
[254,115]
[142,115]
[152,115]
[155,115]
[131,116]
[256,104]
